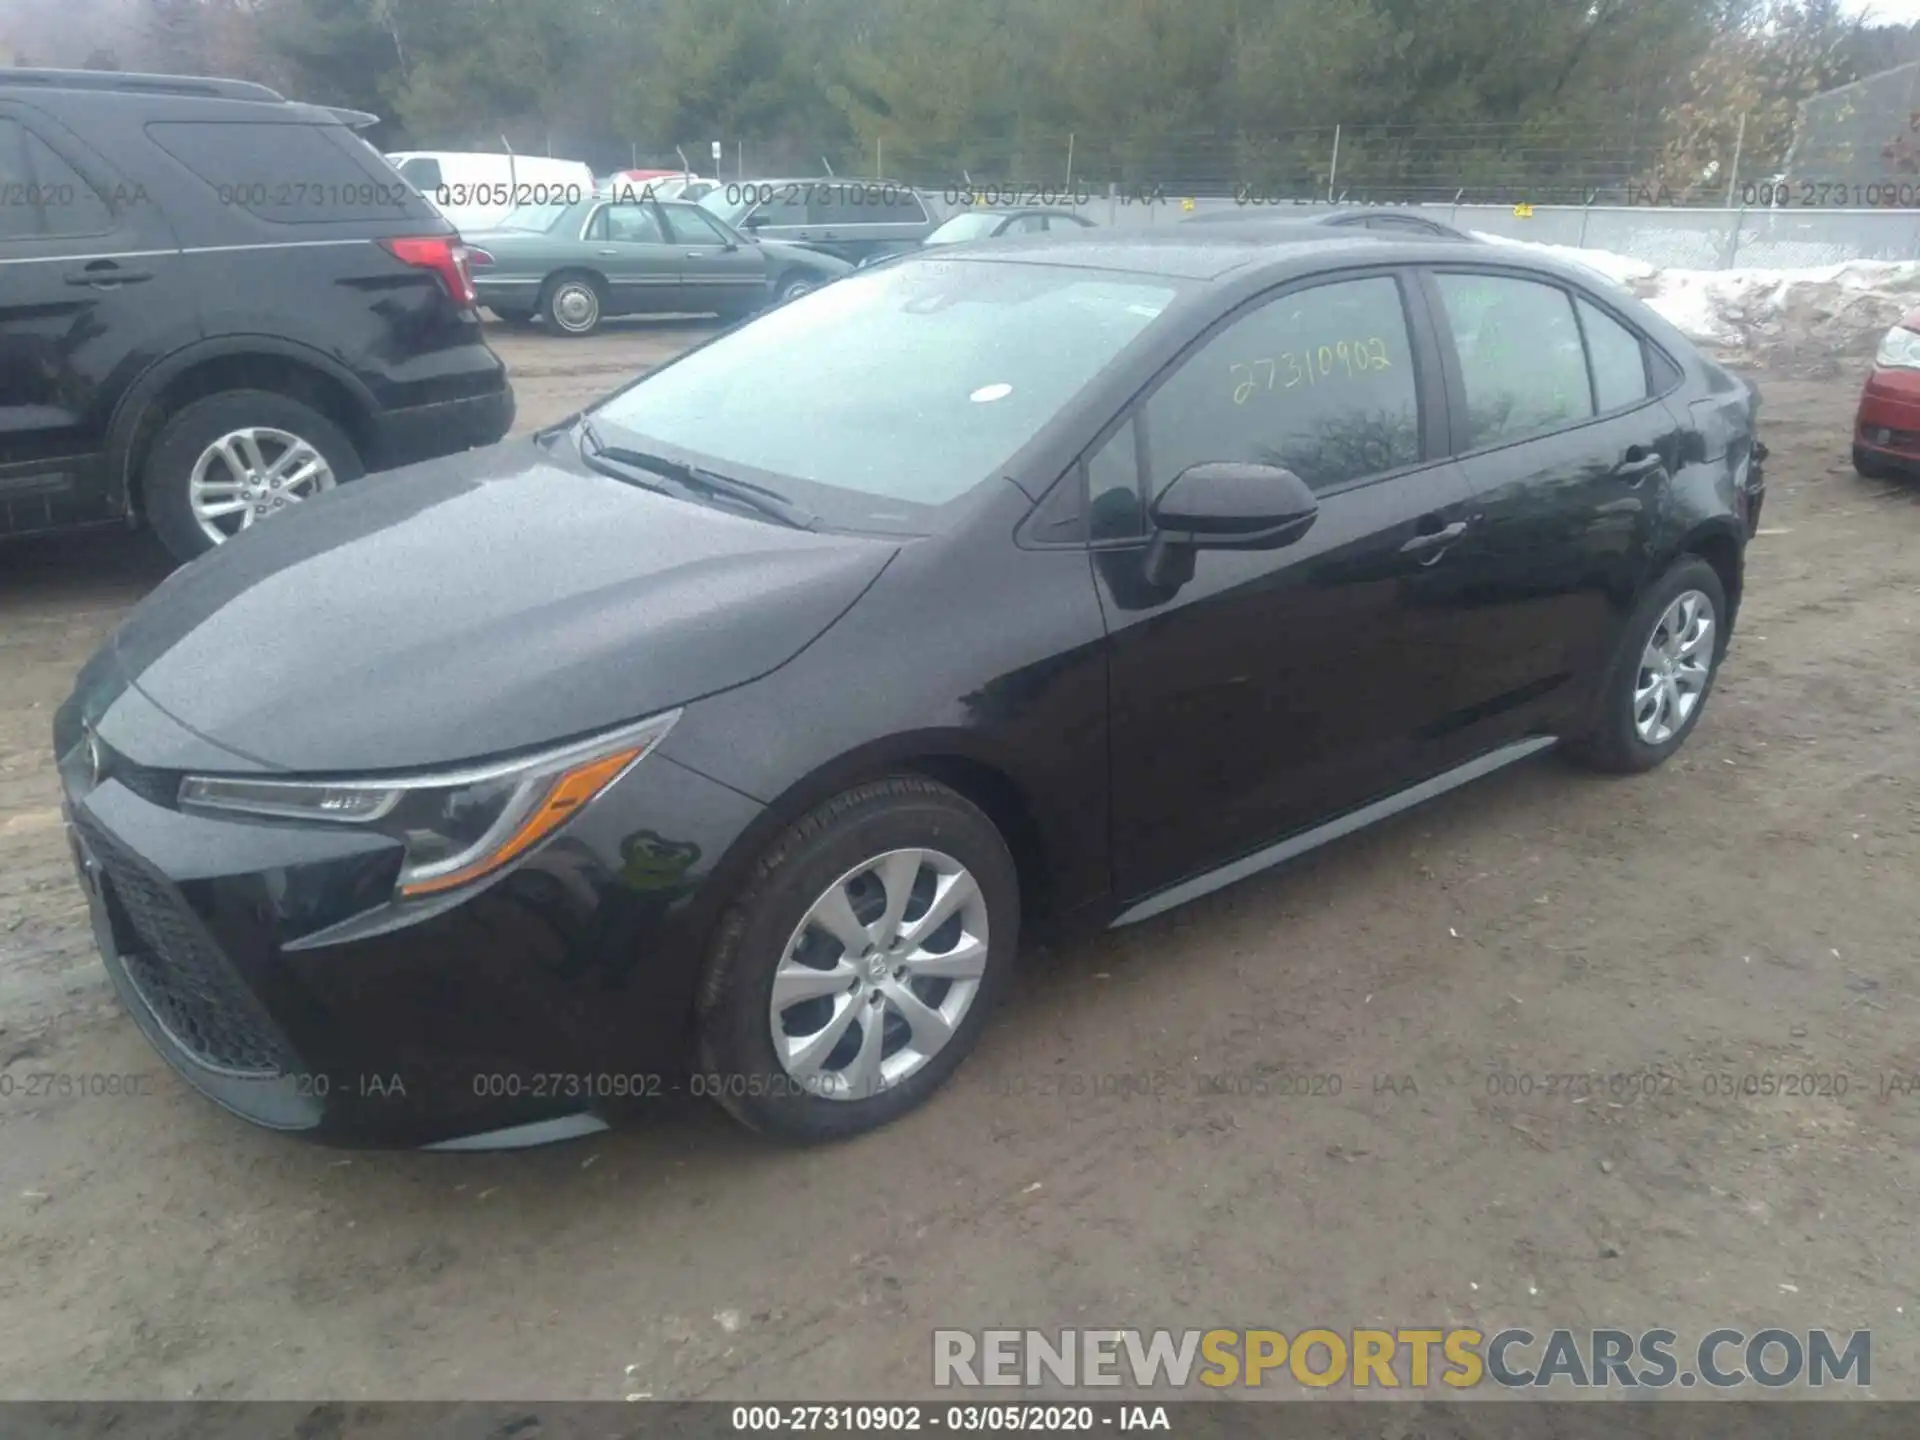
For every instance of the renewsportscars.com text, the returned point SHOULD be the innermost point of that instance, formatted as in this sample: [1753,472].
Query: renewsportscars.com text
[1412,1359]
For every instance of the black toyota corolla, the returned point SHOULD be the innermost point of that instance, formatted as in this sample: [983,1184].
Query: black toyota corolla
[725,737]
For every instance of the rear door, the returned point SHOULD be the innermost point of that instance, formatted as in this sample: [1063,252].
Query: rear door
[1570,454]
[92,289]
[1275,689]
[716,272]
[630,244]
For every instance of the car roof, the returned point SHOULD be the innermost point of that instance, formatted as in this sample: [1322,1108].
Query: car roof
[71,83]
[1234,254]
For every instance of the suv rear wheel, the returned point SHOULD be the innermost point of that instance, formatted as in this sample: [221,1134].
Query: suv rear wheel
[231,460]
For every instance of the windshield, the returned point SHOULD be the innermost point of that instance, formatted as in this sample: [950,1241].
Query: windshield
[971,226]
[537,219]
[731,209]
[911,384]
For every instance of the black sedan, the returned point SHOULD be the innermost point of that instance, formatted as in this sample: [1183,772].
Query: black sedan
[727,738]
[993,224]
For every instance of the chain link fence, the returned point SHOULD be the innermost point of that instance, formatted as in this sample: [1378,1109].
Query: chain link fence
[1850,189]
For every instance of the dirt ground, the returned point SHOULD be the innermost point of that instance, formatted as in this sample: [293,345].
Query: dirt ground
[1751,909]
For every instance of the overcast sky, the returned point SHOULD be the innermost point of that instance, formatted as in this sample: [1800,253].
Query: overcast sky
[1888,12]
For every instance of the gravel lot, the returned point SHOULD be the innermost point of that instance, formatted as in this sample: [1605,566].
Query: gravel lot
[1750,909]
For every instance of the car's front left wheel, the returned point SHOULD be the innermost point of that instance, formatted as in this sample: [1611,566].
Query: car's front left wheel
[854,972]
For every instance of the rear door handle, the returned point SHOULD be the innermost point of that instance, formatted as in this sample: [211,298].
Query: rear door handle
[1435,540]
[105,274]
[1637,464]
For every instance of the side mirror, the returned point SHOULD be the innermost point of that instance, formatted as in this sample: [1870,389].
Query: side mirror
[1225,506]
[753,221]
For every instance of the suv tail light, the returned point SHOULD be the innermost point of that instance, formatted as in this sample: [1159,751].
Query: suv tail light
[442,254]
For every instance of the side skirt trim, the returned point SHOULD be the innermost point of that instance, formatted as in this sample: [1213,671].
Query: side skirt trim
[521,1137]
[1353,820]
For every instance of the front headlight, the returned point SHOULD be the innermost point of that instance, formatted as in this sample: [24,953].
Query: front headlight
[457,826]
[1900,350]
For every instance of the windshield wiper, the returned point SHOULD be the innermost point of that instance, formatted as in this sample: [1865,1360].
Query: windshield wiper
[770,503]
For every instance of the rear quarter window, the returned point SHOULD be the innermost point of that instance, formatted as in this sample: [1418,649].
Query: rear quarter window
[286,173]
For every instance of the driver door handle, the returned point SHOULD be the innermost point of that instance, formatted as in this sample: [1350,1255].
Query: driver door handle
[106,274]
[1638,463]
[1435,540]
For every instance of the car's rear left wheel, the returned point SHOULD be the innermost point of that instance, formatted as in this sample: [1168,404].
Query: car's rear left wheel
[856,969]
[573,304]
[1657,687]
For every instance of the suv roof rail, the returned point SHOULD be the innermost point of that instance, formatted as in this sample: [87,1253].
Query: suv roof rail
[138,84]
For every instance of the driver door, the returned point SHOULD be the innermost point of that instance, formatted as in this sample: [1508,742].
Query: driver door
[1276,689]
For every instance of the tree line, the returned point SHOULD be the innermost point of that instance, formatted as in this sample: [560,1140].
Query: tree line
[1178,92]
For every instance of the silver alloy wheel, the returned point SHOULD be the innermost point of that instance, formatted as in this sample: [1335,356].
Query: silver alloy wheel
[1674,668]
[879,974]
[576,306]
[795,289]
[247,475]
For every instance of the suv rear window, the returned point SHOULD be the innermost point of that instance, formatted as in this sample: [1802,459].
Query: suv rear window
[290,174]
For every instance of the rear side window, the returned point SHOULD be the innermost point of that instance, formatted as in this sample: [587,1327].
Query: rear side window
[423,172]
[788,205]
[290,174]
[1521,359]
[629,225]
[1319,381]
[41,196]
[1619,363]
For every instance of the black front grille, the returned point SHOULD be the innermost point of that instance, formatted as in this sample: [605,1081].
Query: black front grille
[181,975]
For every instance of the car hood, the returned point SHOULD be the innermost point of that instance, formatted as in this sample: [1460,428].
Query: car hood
[819,259]
[474,606]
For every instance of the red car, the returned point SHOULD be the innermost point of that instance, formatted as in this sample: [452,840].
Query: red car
[1886,431]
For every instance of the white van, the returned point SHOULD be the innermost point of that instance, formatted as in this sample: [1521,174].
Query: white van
[476,189]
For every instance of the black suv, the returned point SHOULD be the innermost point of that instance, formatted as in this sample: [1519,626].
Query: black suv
[215,302]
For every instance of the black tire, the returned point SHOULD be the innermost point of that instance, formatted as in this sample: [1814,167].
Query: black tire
[1611,742]
[792,285]
[186,437]
[736,1058]
[1871,467]
[560,296]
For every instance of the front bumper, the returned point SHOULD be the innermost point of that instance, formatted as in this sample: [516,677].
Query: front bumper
[425,432]
[268,965]
[1887,424]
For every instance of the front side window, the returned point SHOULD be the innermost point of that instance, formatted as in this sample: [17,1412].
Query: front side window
[894,390]
[693,226]
[1319,381]
[1521,358]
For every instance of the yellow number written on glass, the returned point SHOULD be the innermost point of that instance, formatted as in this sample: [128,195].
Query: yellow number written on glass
[1346,357]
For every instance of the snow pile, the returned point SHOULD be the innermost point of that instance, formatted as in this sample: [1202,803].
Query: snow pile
[1812,319]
